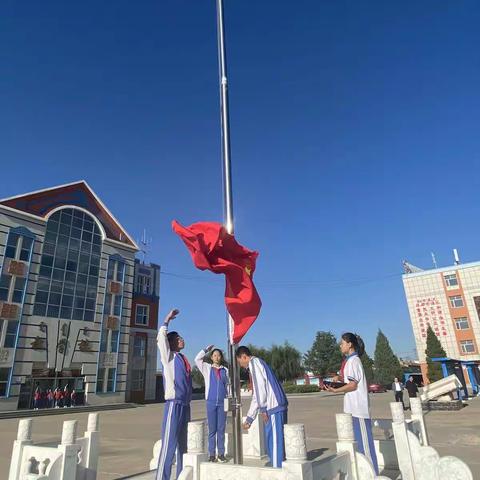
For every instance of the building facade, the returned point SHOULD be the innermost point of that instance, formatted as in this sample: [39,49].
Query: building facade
[142,364]
[447,299]
[66,285]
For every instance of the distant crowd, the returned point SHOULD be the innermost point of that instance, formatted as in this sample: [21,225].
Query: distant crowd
[56,398]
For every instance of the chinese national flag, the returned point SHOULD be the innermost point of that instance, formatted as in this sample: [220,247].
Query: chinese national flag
[212,248]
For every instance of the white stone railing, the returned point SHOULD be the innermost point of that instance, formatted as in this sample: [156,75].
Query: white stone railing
[406,453]
[72,459]
[418,461]
[385,448]
[442,387]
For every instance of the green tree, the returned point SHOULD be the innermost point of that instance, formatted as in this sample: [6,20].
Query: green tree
[434,350]
[387,366]
[197,378]
[286,362]
[367,363]
[261,352]
[324,357]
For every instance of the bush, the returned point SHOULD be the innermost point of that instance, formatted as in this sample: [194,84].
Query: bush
[300,388]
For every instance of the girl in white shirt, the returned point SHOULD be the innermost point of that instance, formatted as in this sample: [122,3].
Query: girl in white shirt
[356,399]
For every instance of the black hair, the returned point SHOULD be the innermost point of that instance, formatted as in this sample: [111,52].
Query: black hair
[217,350]
[356,341]
[243,351]
[171,336]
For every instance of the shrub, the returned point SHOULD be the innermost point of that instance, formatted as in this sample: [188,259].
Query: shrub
[300,388]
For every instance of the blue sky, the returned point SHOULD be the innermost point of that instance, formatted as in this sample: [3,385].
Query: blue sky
[354,143]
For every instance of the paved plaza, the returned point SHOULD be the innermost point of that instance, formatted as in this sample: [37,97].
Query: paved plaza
[127,436]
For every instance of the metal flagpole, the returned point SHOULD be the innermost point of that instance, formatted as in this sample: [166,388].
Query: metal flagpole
[228,219]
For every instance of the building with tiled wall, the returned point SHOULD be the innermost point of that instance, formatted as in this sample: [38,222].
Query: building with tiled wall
[66,285]
[448,299]
[142,364]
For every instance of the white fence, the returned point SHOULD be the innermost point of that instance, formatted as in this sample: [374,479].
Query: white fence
[73,459]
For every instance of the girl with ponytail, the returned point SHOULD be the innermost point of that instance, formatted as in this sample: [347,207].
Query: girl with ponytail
[356,401]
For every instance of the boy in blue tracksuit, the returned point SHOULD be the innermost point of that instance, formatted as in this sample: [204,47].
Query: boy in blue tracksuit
[216,390]
[269,398]
[178,393]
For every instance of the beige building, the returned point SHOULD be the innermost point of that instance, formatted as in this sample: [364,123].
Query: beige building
[66,283]
[447,299]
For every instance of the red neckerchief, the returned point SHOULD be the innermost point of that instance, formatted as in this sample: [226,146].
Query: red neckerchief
[218,372]
[342,367]
[188,368]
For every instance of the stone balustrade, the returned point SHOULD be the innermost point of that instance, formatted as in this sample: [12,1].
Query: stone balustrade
[73,459]
[417,460]
[442,387]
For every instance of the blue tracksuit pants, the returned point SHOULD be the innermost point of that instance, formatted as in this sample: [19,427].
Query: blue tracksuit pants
[217,419]
[362,431]
[174,438]
[274,437]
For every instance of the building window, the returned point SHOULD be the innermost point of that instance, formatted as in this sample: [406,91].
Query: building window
[4,374]
[11,334]
[462,323]
[451,280]
[111,379]
[139,346]
[138,379]
[467,346]
[12,291]
[5,281]
[18,247]
[141,315]
[144,284]
[100,379]
[114,341]
[456,301]
[69,270]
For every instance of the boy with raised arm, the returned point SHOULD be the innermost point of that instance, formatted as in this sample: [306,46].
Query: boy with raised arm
[270,400]
[178,393]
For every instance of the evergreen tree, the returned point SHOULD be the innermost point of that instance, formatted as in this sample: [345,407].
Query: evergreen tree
[286,362]
[197,378]
[387,366]
[324,357]
[434,350]
[261,352]
[367,363]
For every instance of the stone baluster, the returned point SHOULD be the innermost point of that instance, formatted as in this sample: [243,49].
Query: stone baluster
[196,452]
[296,464]
[402,446]
[346,439]
[24,438]
[196,437]
[295,443]
[91,448]
[417,415]
[69,432]
[69,450]
[254,440]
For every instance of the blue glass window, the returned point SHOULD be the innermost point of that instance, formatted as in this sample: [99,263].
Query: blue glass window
[69,267]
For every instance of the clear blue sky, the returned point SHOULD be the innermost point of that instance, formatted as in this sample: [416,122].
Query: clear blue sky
[355,142]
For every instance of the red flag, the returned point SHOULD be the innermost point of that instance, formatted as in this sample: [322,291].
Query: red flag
[212,248]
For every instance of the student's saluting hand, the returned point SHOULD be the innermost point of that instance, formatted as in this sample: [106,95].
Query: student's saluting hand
[171,315]
[246,425]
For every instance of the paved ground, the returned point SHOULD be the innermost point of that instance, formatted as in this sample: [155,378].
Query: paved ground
[128,435]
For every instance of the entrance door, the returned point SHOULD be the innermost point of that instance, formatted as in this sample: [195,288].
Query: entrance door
[27,390]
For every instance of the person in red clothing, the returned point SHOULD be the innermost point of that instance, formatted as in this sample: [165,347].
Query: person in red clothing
[50,398]
[37,397]
[66,396]
[58,398]
[73,398]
